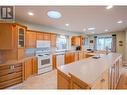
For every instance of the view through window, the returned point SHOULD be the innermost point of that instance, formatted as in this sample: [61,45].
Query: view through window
[103,42]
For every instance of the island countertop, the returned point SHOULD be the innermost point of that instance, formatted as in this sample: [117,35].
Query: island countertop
[88,70]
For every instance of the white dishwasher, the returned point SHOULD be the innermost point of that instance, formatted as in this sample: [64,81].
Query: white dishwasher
[60,59]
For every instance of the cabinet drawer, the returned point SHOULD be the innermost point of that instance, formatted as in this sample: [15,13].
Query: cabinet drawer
[10,82]
[9,71]
[10,76]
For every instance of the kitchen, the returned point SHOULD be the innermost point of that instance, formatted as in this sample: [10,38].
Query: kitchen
[33,49]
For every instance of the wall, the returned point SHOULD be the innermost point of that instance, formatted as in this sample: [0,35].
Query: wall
[38,27]
[126,46]
[120,36]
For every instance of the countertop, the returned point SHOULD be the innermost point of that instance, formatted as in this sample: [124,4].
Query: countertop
[88,70]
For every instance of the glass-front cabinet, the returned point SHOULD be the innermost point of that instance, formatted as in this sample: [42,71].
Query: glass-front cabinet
[21,37]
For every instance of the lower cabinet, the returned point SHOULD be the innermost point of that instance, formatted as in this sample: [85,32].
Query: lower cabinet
[69,57]
[30,67]
[102,82]
[10,74]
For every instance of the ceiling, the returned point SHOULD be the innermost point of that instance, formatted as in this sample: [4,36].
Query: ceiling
[78,17]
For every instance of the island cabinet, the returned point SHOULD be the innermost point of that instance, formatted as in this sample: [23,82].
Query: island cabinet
[106,78]
[30,39]
[10,74]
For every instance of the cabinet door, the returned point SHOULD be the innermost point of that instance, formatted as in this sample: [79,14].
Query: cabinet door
[27,68]
[21,53]
[54,61]
[80,55]
[67,58]
[34,66]
[40,36]
[53,40]
[30,39]
[47,36]
[21,37]
[76,56]
[6,36]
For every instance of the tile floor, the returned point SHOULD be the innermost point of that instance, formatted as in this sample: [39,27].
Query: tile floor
[49,81]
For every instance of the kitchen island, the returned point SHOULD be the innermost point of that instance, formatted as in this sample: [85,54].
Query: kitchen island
[91,73]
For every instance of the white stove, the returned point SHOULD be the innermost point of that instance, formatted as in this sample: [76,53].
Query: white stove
[44,58]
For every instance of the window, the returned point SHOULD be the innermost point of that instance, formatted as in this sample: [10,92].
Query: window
[103,42]
[62,42]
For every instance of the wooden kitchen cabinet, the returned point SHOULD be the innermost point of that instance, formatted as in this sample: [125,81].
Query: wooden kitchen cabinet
[12,37]
[40,36]
[53,40]
[47,36]
[34,66]
[30,67]
[76,56]
[30,39]
[75,41]
[54,64]
[81,54]
[10,74]
[63,81]
[7,36]
[69,57]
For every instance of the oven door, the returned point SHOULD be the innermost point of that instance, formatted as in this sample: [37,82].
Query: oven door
[44,62]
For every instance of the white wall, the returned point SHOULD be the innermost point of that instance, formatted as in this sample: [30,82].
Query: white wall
[43,28]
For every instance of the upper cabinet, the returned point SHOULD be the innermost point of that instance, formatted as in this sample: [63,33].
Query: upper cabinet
[40,36]
[12,36]
[6,36]
[21,37]
[47,36]
[31,39]
[75,41]
[53,40]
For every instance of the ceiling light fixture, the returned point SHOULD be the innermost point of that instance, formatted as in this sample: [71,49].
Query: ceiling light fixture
[84,29]
[54,14]
[30,13]
[91,28]
[109,7]
[106,30]
[67,24]
[120,21]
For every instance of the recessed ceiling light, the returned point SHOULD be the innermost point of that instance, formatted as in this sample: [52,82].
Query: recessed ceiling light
[30,13]
[109,7]
[84,29]
[67,24]
[54,14]
[91,28]
[120,21]
[93,32]
[106,30]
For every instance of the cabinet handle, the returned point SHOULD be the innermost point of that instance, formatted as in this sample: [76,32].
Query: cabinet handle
[12,67]
[102,80]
